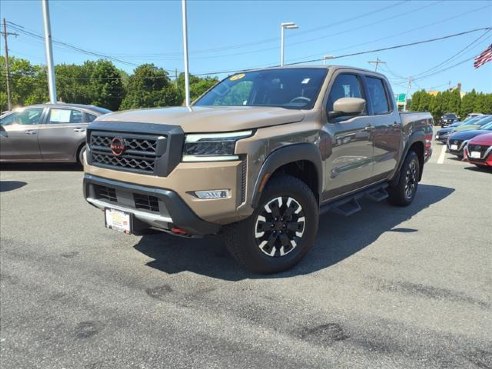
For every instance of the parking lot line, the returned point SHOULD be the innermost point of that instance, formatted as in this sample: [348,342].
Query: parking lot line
[442,155]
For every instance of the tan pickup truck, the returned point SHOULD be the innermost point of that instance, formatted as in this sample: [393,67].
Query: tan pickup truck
[257,159]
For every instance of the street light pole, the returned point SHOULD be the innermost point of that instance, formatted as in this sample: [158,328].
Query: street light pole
[283,27]
[49,52]
[185,51]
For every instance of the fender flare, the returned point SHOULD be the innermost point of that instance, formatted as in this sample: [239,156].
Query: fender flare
[417,136]
[286,155]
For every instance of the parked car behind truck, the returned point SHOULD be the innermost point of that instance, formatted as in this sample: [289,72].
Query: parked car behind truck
[46,132]
[257,159]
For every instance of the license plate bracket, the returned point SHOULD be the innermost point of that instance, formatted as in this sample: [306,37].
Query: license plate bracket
[454,147]
[118,220]
[475,154]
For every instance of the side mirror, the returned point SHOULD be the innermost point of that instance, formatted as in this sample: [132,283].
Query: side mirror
[350,106]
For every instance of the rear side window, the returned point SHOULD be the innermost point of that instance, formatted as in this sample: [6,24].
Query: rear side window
[89,117]
[345,85]
[65,116]
[377,94]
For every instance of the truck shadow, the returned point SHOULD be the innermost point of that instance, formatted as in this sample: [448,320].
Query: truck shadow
[339,237]
[6,186]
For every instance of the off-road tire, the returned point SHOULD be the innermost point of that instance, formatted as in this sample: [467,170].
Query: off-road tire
[298,214]
[403,192]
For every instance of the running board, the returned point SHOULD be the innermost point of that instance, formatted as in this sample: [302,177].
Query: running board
[378,195]
[350,204]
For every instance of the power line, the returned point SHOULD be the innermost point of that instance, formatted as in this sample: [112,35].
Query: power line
[24,31]
[275,39]
[400,45]
[360,52]
[454,55]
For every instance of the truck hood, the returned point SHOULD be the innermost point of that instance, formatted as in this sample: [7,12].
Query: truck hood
[209,119]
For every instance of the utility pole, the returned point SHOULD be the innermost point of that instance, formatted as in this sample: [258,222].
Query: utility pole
[176,78]
[377,62]
[410,80]
[185,52]
[49,52]
[7,70]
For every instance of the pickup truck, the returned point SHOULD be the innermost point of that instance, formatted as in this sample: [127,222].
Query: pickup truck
[257,159]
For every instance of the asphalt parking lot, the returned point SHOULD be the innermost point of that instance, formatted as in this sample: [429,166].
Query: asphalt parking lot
[385,288]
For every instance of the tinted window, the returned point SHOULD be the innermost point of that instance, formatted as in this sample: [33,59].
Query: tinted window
[24,116]
[294,88]
[377,94]
[345,85]
[65,116]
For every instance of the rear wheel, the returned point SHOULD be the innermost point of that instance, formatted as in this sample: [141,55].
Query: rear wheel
[403,193]
[280,231]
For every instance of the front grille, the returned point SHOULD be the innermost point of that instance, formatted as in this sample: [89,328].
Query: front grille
[146,202]
[105,193]
[480,148]
[139,155]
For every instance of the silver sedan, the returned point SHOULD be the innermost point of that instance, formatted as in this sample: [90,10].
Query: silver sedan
[46,132]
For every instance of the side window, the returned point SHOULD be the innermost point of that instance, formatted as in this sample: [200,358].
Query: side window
[377,93]
[25,117]
[65,116]
[345,85]
[89,117]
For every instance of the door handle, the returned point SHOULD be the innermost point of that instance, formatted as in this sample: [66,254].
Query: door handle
[395,125]
[30,132]
[369,127]
[79,129]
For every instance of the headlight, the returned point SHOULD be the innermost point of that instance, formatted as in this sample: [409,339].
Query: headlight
[212,146]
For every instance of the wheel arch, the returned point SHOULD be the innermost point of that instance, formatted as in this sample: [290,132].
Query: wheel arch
[415,143]
[302,161]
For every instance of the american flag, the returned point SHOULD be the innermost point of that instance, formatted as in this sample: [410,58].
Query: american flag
[484,57]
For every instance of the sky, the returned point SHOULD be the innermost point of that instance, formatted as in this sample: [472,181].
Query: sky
[226,36]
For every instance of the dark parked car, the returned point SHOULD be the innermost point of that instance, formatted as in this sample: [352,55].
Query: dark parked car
[447,119]
[458,140]
[443,134]
[46,132]
[479,151]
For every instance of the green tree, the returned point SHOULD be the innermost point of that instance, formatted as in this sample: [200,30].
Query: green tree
[106,85]
[28,83]
[73,83]
[468,103]
[149,86]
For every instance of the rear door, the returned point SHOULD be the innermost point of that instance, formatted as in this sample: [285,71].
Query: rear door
[19,135]
[63,133]
[386,126]
[349,165]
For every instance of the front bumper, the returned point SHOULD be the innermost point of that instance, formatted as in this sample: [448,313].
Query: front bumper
[150,207]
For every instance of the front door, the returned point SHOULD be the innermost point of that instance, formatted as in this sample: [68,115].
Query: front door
[19,135]
[350,163]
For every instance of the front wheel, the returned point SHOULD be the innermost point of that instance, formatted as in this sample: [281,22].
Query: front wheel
[281,230]
[80,157]
[403,192]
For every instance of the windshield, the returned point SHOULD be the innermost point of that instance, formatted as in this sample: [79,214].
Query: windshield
[293,88]
[484,121]
[487,127]
[472,121]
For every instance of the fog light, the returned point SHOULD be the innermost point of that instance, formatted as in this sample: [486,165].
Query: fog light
[213,194]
